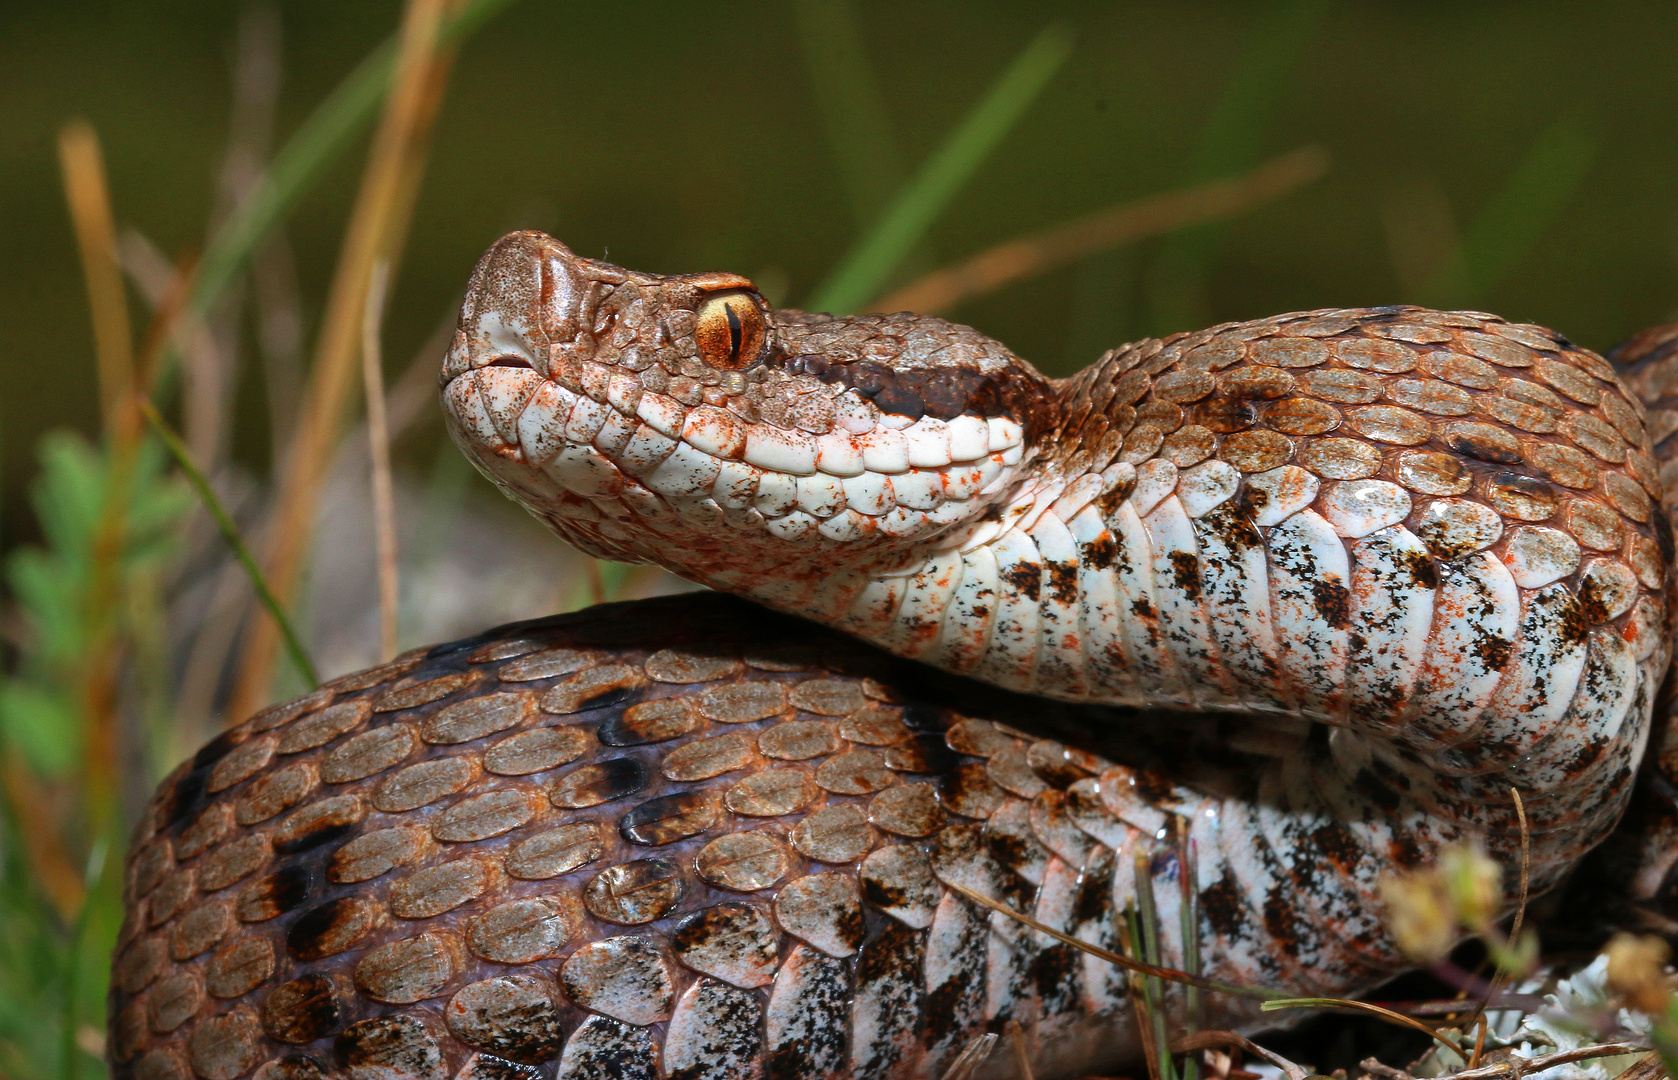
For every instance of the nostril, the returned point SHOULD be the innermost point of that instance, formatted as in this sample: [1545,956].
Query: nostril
[509,361]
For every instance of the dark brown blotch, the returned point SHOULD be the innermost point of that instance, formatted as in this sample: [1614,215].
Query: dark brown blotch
[1185,571]
[305,1009]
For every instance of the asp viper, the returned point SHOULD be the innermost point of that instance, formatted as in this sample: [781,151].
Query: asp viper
[1384,565]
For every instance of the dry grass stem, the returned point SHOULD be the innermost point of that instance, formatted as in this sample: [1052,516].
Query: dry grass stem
[378,450]
[1373,1010]
[90,212]
[1207,1040]
[1526,865]
[1647,1067]
[49,863]
[1128,222]
[1022,1055]
[1129,964]
[382,208]
[1516,1066]
[973,1055]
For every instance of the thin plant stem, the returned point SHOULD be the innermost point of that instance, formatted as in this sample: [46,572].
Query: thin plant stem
[310,151]
[852,108]
[379,217]
[1126,223]
[861,273]
[1205,1040]
[1188,915]
[971,1057]
[89,197]
[1129,963]
[1365,1007]
[1147,917]
[378,449]
[230,533]
[1515,1066]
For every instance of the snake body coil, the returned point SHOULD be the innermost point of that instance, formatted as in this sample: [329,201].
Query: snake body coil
[1406,561]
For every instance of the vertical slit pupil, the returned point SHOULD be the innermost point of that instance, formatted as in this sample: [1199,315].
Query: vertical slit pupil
[734,330]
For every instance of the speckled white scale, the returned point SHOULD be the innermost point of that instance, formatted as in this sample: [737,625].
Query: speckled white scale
[875,607]
[1393,583]
[1310,581]
[808,1012]
[1539,685]
[1059,610]
[1235,590]
[715,1033]
[1475,616]
[1594,719]
[955,972]
[1101,625]
[1105,986]
[1012,656]
[970,613]
[921,616]
[886,1006]
[1142,628]
[1178,589]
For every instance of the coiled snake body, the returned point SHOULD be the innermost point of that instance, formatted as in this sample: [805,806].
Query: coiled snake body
[1402,561]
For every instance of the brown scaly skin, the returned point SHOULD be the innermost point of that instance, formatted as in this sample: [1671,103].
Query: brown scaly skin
[340,884]
[473,760]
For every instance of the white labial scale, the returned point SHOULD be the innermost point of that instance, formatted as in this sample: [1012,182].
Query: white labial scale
[1538,687]
[1599,709]
[1014,641]
[1393,583]
[585,471]
[1178,588]
[1011,953]
[921,616]
[1139,610]
[542,422]
[1235,583]
[1475,616]
[1601,789]
[955,975]
[1060,661]
[970,614]
[1102,625]
[1310,600]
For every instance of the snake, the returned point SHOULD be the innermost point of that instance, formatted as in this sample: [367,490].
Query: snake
[1177,656]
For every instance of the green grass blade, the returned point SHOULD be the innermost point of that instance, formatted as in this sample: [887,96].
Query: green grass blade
[230,533]
[1510,225]
[1229,143]
[864,272]
[327,133]
[852,108]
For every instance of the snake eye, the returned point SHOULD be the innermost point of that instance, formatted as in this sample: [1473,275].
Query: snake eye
[730,330]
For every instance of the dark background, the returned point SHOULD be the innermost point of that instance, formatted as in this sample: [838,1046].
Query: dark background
[687,137]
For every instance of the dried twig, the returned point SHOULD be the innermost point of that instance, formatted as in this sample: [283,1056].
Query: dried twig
[1040,252]
[1365,1007]
[1206,1040]
[1515,1067]
[380,215]
[1169,974]
[90,212]
[378,451]
[1526,864]
[973,1055]
[1022,1056]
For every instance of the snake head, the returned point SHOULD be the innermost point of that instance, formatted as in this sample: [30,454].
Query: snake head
[682,420]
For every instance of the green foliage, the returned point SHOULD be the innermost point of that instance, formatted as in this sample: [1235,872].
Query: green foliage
[54,965]
[39,711]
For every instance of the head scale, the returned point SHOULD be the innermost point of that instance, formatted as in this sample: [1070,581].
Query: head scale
[681,420]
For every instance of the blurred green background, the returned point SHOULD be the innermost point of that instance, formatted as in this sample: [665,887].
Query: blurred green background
[685,137]
[1515,157]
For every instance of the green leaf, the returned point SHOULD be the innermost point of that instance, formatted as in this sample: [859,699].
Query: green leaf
[864,272]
